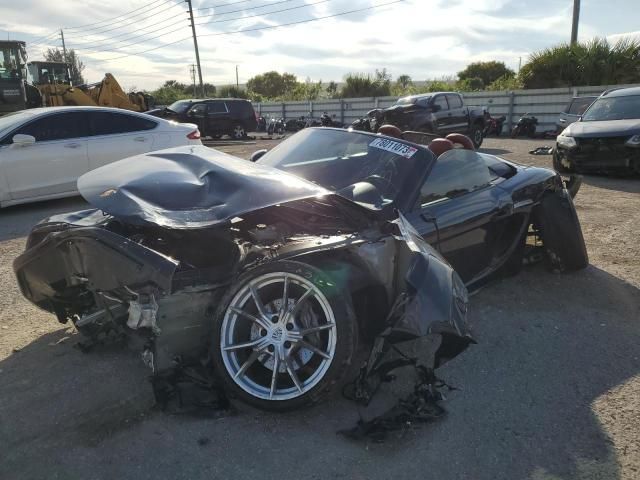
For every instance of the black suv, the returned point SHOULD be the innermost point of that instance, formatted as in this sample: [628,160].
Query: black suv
[215,117]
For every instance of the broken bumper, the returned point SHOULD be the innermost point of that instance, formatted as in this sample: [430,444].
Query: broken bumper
[65,265]
[600,154]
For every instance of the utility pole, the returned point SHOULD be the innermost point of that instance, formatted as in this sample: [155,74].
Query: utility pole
[574,25]
[64,47]
[64,56]
[237,81]
[195,44]
[192,71]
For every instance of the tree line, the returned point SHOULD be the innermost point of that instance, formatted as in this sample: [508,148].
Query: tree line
[596,62]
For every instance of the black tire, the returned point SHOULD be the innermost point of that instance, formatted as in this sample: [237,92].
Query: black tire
[238,132]
[515,132]
[561,233]
[572,184]
[345,338]
[475,133]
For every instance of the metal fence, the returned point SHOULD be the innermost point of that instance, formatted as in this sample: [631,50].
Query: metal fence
[545,104]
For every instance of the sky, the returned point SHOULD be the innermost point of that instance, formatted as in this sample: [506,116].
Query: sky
[144,42]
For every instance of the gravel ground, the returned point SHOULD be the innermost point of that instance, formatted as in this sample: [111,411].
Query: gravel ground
[552,390]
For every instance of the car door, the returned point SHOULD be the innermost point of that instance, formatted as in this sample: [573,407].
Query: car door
[459,209]
[198,115]
[441,114]
[458,120]
[219,117]
[116,135]
[52,164]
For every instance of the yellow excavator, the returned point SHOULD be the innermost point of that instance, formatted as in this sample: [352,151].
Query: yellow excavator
[47,84]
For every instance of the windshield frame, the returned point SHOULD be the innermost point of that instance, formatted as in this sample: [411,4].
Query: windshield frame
[407,193]
[607,99]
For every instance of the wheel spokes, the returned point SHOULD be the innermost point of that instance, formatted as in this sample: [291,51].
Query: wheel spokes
[274,375]
[256,298]
[285,296]
[252,343]
[250,361]
[294,376]
[319,328]
[296,308]
[248,316]
[314,349]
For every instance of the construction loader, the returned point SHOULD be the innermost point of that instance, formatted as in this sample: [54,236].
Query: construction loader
[47,84]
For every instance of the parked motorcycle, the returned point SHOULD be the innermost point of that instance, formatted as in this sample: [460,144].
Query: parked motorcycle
[526,125]
[370,123]
[276,126]
[261,125]
[493,125]
[328,121]
[296,124]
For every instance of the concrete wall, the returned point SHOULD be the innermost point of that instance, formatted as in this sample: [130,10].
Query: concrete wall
[545,104]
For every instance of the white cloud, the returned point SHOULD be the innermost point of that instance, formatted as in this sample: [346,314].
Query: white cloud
[423,38]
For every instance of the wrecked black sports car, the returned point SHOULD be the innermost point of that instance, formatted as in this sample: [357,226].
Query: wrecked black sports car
[276,270]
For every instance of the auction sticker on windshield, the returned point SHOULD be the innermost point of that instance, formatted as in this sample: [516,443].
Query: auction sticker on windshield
[394,147]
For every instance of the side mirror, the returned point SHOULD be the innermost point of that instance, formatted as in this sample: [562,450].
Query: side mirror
[23,140]
[435,108]
[257,154]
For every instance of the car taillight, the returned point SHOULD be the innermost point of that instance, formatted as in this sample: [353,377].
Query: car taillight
[195,135]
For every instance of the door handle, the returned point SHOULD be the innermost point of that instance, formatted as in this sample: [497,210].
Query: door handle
[72,145]
[140,139]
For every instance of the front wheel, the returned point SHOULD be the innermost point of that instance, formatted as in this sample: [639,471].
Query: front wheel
[283,336]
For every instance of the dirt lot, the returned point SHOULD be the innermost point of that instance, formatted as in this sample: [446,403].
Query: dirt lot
[552,390]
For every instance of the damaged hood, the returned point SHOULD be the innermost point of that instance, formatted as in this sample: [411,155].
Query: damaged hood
[189,187]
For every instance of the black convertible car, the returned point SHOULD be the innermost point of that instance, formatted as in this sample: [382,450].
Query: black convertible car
[276,269]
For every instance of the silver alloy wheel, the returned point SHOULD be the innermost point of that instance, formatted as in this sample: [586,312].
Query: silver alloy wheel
[278,336]
[238,132]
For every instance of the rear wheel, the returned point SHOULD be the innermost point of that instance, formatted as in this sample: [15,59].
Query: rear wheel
[238,132]
[476,135]
[283,336]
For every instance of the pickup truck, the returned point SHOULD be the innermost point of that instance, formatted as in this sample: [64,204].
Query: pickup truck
[440,113]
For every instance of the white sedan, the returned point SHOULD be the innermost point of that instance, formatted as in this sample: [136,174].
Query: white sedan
[43,151]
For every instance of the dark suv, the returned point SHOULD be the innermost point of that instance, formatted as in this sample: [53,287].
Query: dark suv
[215,117]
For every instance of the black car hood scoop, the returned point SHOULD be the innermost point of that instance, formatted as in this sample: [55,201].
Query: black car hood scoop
[189,187]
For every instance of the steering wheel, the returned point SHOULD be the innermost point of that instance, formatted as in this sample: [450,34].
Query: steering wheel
[383,184]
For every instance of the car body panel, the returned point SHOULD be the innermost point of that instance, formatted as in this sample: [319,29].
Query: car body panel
[50,168]
[573,111]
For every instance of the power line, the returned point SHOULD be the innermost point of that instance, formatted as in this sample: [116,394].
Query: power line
[248,9]
[265,13]
[268,27]
[132,37]
[146,39]
[37,40]
[83,27]
[130,21]
[222,5]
